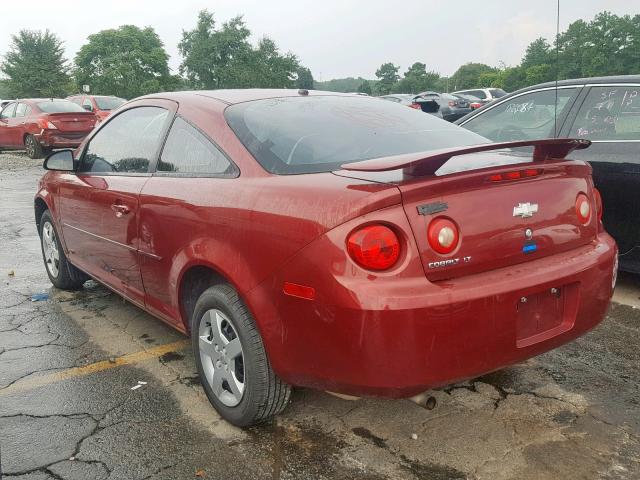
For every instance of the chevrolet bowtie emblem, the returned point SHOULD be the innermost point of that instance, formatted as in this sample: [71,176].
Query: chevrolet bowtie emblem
[525,210]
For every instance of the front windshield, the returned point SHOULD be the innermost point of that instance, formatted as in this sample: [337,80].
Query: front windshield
[318,134]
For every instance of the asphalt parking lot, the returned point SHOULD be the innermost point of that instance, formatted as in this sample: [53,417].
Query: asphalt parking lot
[91,387]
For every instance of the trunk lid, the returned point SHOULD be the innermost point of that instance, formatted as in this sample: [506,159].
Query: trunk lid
[500,222]
[72,121]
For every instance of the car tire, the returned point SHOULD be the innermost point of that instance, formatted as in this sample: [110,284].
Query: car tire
[62,274]
[242,386]
[33,147]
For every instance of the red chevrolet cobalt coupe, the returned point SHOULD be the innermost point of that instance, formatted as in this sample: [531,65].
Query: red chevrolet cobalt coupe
[40,124]
[329,241]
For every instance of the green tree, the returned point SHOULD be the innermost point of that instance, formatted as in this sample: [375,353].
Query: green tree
[224,58]
[538,53]
[387,77]
[539,74]
[468,75]
[365,87]
[4,89]
[266,67]
[35,65]
[305,78]
[127,62]
[607,45]
[416,79]
[348,84]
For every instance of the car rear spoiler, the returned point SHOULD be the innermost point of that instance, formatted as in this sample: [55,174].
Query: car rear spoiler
[427,163]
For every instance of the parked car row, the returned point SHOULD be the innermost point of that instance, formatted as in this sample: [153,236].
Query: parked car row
[39,125]
[447,106]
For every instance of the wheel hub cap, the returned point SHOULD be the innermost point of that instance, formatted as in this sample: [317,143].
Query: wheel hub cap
[50,249]
[221,357]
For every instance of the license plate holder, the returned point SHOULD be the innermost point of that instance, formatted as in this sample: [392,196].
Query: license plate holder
[544,314]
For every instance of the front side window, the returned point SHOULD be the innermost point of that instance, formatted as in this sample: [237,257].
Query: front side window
[128,143]
[526,117]
[87,105]
[9,111]
[609,113]
[187,150]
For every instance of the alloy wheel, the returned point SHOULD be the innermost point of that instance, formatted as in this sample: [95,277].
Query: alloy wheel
[30,146]
[50,249]
[222,358]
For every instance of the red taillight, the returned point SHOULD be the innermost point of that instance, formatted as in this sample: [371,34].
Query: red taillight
[475,105]
[443,235]
[598,199]
[375,247]
[45,124]
[583,208]
[416,106]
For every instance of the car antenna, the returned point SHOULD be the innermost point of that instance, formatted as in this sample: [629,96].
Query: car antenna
[555,107]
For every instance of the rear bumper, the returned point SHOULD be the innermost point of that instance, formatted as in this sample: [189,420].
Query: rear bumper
[356,339]
[54,139]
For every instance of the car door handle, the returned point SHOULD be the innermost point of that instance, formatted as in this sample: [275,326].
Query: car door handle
[120,210]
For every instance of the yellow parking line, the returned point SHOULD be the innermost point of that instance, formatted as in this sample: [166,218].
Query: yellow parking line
[137,357]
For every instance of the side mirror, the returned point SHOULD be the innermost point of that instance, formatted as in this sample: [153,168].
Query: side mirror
[88,108]
[61,161]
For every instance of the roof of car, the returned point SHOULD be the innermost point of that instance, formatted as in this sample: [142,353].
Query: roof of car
[232,96]
[36,100]
[585,81]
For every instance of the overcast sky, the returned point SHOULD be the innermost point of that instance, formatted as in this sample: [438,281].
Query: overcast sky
[334,38]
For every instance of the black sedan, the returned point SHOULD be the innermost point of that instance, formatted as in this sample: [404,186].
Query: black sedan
[605,110]
[443,105]
[451,107]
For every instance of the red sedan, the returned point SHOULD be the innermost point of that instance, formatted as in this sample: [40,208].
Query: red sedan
[38,125]
[328,241]
[101,105]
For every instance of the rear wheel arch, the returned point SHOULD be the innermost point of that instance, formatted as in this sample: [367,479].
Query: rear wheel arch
[193,282]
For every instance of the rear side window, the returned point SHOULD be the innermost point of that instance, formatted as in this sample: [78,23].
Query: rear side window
[87,105]
[320,133]
[477,93]
[497,92]
[526,117]
[22,110]
[59,106]
[609,113]
[188,151]
[126,144]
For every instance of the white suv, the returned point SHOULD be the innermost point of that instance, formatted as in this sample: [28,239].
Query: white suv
[484,94]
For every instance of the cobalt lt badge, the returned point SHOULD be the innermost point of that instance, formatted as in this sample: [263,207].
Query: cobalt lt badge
[525,210]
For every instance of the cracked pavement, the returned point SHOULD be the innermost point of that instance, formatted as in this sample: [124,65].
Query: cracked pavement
[571,413]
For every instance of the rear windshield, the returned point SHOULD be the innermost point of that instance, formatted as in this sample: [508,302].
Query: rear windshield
[59,106]
[318,134]
[109,103]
